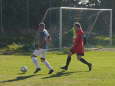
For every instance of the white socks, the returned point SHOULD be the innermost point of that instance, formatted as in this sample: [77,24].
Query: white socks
[35,61]
[47,65]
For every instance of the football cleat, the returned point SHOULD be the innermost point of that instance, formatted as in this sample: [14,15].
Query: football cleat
[64,67]
[37,70]
[50,71]
[90,66]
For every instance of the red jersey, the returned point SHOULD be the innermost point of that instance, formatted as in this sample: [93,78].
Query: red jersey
[78,45]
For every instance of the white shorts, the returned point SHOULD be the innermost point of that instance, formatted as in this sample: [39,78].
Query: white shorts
[40,52]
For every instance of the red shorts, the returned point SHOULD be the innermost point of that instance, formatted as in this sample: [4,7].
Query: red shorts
[73,51]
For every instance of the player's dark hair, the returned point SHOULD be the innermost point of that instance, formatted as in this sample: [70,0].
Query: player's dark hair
[42,24]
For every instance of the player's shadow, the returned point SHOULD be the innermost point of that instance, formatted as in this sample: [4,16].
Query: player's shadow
[17,78]
[59,74]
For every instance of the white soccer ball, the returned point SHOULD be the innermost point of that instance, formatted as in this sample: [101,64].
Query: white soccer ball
[24,69]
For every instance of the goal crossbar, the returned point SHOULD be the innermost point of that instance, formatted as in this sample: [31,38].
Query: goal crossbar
[53,8]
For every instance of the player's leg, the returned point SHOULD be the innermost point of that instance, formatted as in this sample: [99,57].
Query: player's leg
[44,60]
[35,60]
[68,60]
[79,57]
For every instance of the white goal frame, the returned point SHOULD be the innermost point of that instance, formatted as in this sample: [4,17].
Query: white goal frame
[66,8]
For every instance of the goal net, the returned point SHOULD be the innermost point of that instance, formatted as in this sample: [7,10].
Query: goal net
[96,23]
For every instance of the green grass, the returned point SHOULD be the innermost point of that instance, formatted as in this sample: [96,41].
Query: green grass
[103,73]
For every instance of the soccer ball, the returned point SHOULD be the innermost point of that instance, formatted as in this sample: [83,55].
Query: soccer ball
[24,69]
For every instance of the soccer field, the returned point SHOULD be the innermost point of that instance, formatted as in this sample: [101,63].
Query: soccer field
[103,73]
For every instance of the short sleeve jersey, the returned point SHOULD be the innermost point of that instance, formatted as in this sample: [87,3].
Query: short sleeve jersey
[43,36]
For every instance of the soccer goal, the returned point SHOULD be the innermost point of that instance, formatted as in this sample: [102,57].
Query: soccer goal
[96,23]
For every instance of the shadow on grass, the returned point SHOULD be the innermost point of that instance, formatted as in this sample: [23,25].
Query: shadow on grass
[61,73]
[18,78]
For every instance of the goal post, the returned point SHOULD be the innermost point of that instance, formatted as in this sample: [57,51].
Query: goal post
[60,34]
[96,23]
[110,34]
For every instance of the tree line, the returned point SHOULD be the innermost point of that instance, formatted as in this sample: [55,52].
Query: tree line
[27,13]
[18,16]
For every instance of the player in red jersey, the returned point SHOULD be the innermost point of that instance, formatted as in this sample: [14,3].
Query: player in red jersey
[77,47]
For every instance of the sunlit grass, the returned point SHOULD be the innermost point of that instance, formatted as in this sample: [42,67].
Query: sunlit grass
[103,73]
